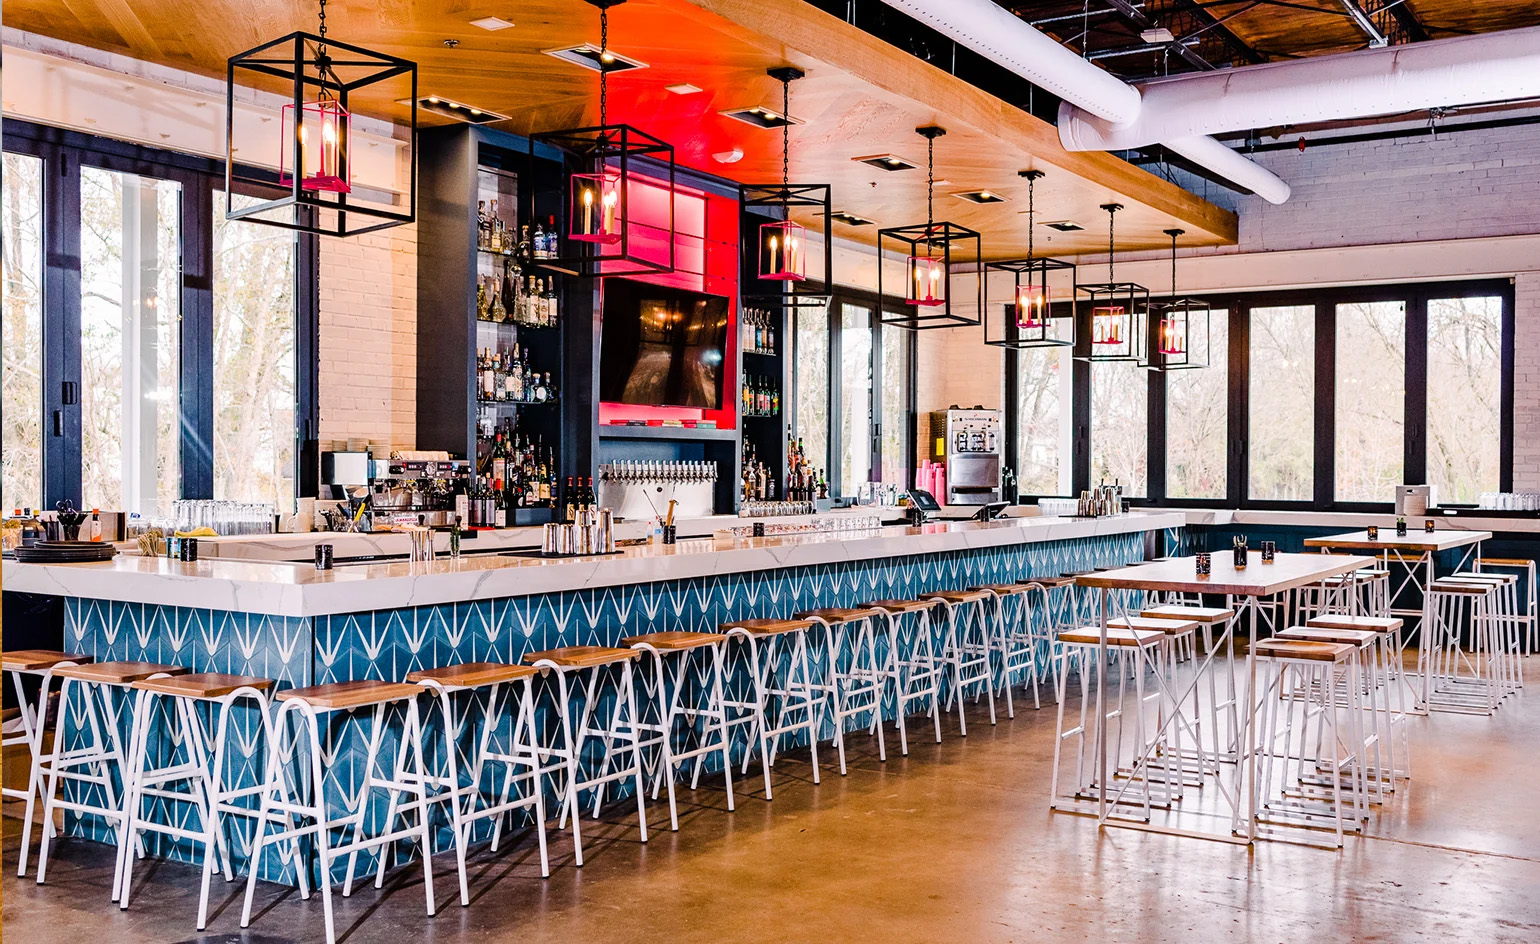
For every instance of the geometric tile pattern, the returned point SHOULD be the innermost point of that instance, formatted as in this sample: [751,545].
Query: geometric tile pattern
[387,644]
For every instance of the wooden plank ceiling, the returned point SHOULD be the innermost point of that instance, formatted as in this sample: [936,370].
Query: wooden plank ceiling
[861,97]
[1217,33]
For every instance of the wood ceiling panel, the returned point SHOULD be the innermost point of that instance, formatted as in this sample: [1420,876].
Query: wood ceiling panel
[862,96]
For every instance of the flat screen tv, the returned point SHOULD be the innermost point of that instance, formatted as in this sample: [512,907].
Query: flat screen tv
[661,346]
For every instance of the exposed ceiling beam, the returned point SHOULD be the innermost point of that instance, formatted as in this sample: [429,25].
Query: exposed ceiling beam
[1137,17]
[1408,20]
[1215,24]
[1360,17]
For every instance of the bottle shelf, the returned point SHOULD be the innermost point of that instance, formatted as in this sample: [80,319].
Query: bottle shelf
[546,402]
[518,324]
[749,350]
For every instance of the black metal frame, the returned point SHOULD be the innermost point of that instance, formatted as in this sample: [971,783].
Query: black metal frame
[1135,301]
[593,150]
[1416,295]
[296,68]
[943,234]
[1185,309]
[785,198]
[63,153]
[1012,335]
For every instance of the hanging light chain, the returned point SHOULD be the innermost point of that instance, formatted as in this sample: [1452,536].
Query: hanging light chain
[604,72]
[323,24]
[786,137]
[1174,234]
[1031,215]
[1111,216]
[930,182]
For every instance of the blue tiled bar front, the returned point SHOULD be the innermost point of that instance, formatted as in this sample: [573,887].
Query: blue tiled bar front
[299,648]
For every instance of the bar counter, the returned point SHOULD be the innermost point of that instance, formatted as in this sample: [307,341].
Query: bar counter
[301,626]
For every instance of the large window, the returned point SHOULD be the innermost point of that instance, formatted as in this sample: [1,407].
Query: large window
[894,458]
[1370,400]
[1198,413]
[1464,396]
[1282,403]
[130,339]
[1044,392]
[254,334]
[810,383]
[855,397]
[1119,426]
[155,362]
[21,333]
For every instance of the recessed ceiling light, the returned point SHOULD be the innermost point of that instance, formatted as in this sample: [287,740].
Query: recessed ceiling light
[886,162]
[979,196]
[1063,226]
[761,117]
[850,219]
[682,88]
[449,108]
[491,23]
[589,56]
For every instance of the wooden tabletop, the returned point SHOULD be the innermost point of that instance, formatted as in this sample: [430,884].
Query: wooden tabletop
[1415,540]
[1287,572]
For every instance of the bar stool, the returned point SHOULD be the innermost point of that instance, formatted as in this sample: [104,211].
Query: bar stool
[1180,635]
[1215,622]
[853,679]
[1453,679]
[21,665]
[290,800]
[1391,679]
[1504,614]
[201,769]
[965,650]
[1377,774]
[780,672]
[685,660]
[1530,618]
[1057,612]
[102,761]
[518,764]
[596,671]
[1080,648]
[1011,639]
[1299,797]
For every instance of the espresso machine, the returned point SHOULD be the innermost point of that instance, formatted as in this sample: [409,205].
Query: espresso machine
[396,490]
[970,443]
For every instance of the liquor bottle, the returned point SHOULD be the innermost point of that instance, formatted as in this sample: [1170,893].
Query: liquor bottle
[483,235]
[510,292]
[551,247]
[549,313]
[539,242]
[524,250]
[494,236]
[569,502]
[549,388]
[499,457]
[500,509]
[770,338]
[775,402]
[487,391]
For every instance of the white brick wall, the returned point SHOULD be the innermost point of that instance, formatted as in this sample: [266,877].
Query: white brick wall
[1526,382]
[368,370]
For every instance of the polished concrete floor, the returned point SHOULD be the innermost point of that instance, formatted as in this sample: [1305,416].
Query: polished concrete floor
[953,843]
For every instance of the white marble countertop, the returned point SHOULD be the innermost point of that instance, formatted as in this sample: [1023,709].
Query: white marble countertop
[1464,519]
[287,589]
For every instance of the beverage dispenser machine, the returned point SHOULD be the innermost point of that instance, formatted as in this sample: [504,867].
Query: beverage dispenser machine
[969,443]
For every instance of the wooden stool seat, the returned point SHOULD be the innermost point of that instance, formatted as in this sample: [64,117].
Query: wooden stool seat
[1160,624]
[896,606]
[1503,579]
[1362,638]
[335,696]
[1378,624]
[471,674]
[1454,586]
[36,660]
[673,640]
[1003,589]
[955,597]
[581,657]
[1198,614]
[1302,649]
[775,627]
[202,684]
[1506,561]
[1053,583]
[117,673]
[1116,636]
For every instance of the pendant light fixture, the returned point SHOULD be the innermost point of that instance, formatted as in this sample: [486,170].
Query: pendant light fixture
[1028,319]
[315,134]
[779,248]
[1183,326]
[929,253]
[1116,312]
[600,234]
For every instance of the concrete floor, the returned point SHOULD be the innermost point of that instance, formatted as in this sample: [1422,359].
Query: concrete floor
[953,843]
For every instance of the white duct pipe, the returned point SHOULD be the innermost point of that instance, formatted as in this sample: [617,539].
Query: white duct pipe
[993,31]
[1465,70]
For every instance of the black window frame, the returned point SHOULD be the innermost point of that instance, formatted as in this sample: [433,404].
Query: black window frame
[1324,300]
[845,295]
[63,152]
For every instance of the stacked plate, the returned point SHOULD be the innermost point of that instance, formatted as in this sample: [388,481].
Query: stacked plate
[65,552]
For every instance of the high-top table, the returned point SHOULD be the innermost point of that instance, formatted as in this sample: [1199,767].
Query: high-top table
[1244,589]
